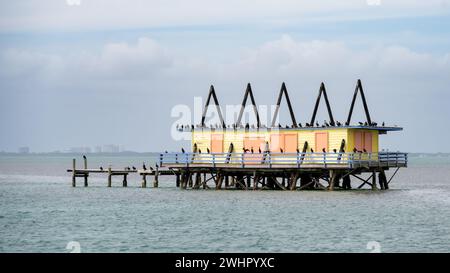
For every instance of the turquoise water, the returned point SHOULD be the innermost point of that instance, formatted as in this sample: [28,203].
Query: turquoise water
[41,212]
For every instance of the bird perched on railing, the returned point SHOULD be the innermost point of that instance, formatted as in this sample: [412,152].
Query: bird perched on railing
[245,150]
[207,150]
[259,150]
[182,150]
[84,157]
[317,124]
[360,123]
[355,150]
[281,150]
[143,166]
[101,168]
[298,151]
[323,150]
[251,150]
[382,124]
[338,123]
[300,125]
[312,151]
[326,123]
[307,124]
[334,150]
[199,151]
[134,168]
[364,150]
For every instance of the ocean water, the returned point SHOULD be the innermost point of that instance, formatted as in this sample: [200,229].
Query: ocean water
[41,212]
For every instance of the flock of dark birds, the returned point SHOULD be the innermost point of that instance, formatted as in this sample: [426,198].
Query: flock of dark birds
[247,126]
[133,167]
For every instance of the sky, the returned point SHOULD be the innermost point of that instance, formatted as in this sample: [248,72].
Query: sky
[94,72]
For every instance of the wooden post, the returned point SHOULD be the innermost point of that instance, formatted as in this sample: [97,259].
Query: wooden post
[177,180]
[219,181]
[249,181]
[156,181]
[255,181]
[86,175]
[227,181]
[198,180]
[144,180]
[124,182]
[109,176]
[333,176]
[374,181]
[74,179]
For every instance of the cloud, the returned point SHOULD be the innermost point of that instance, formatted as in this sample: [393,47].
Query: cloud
[144,79]
[36,15]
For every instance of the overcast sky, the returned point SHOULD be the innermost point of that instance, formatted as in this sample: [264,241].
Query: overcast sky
[94,72]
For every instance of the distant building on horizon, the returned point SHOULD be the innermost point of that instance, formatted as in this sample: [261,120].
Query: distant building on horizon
[24,150]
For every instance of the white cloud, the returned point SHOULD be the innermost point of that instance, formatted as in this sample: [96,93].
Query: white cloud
[121,14]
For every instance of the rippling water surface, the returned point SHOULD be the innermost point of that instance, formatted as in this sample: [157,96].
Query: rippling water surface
[41,212]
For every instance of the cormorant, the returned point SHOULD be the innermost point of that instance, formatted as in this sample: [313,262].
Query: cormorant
[360,123]
[338,123]
[182,150]
[157,166]
[199,151]
[312,151]
[134,168]
[279,125]
[259,150]
[207,150]
[317,124]
[101,168]
[334,150]
[143,166]
[84,157]
[151,169]
[251,150]
[323,150]
[300,125]
[281,150]
[298,151]
[326,123]
[382,124]
[365,123]
[166,152]
[307,124]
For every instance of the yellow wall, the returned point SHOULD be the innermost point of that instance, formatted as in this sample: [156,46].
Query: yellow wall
[351,141]
[335,136]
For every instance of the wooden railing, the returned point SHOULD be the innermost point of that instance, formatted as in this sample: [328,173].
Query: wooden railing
[273,160]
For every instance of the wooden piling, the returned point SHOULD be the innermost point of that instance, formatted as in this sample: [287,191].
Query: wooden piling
[74,182]
[144,181]
[125,182]
[177,180]
[109,176]
[156,181]
[86,174]
[374,181]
